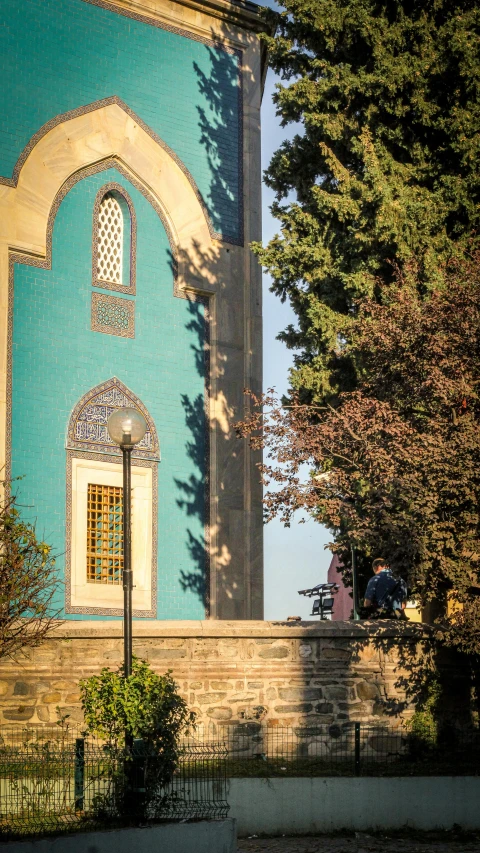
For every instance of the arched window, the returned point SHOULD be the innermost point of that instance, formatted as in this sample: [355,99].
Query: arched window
[110,241]
[114,260]
[94,547]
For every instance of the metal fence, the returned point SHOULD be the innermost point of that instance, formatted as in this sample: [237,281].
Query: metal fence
[57,781]
[68,783]
[350,749]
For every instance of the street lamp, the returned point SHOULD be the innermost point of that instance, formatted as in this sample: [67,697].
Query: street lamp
[355,596]
[126,427]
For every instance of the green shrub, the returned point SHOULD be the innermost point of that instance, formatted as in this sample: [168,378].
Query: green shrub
[423,726]
[144,707]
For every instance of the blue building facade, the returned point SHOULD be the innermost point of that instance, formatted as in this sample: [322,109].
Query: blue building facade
[123,148]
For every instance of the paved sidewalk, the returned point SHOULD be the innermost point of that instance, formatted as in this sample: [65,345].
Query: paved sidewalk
[362,843]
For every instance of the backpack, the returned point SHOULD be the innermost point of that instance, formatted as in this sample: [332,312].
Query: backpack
[391,612]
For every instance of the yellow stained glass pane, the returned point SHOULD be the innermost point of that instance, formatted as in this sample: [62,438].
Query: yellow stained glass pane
[104,534]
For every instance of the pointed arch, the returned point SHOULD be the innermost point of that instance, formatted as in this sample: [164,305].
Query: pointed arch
[87,427]
[88,136]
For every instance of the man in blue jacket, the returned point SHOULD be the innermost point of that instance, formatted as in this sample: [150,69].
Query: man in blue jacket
[385,595]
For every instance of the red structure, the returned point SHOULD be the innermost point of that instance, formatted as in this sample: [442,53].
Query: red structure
[343,606]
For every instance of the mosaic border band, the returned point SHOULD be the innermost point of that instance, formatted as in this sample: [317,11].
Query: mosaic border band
[131,287]
[105,102]
[160,25]
[109,611]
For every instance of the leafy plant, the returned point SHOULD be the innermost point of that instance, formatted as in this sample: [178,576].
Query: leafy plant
[28,581]
[144,707]
[423,727]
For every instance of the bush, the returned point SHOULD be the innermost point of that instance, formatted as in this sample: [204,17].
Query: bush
[28,580]
[144,707]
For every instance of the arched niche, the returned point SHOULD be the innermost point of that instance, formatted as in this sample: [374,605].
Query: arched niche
[87,427]
[94,500]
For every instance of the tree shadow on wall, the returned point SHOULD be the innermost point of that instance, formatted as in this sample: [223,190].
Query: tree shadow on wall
[424,677]
[193,498]
[221,135]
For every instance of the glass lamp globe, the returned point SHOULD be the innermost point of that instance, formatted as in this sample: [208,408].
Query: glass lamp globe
[126,427]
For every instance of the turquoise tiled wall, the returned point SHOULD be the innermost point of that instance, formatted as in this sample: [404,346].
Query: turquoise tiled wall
[58,55]
[57,359]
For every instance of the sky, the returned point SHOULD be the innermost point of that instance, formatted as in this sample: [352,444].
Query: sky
[295,557]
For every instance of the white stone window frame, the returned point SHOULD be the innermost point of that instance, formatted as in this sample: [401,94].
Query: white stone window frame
[129,239]
[105,596]
[92,457]
[107,599]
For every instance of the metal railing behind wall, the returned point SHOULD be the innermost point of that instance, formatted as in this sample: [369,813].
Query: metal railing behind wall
[349,749]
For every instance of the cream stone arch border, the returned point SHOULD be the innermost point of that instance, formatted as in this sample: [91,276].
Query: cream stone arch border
[89,141]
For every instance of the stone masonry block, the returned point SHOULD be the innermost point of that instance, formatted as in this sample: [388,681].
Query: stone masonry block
[274,653]
[168,654]
[301,708]
[206,698]
[219,713]
[367,690]
[336,692]
[51,698]
[242,697]
[20,714]
[300,693]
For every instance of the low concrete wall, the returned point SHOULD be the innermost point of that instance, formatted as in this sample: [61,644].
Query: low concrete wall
[280,674]
[208,836]
[304,805]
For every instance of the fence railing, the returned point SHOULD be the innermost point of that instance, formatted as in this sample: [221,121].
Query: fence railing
[349,749]
[56,781]
[71,784]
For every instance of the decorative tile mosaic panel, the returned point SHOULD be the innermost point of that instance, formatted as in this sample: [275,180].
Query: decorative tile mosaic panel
[87,428]
[113,315]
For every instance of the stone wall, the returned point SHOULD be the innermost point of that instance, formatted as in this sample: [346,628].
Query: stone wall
[230,672]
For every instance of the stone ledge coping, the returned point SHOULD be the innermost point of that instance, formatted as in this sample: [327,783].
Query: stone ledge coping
[70,629]
[244,13]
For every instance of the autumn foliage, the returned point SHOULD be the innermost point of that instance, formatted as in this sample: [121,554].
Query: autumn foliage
[28,581]
[394,464]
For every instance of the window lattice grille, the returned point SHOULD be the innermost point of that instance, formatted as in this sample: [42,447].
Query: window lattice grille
[110,241]
[104,534]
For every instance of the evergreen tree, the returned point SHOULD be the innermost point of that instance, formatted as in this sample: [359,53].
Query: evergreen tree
[385,172]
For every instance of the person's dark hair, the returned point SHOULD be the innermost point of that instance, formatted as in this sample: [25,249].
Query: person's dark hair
[378,562]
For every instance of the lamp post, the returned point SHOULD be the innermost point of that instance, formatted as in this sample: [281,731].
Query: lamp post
[126,427]
[356,614]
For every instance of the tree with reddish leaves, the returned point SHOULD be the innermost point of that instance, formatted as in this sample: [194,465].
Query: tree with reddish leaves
[395,462]
[28,581]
